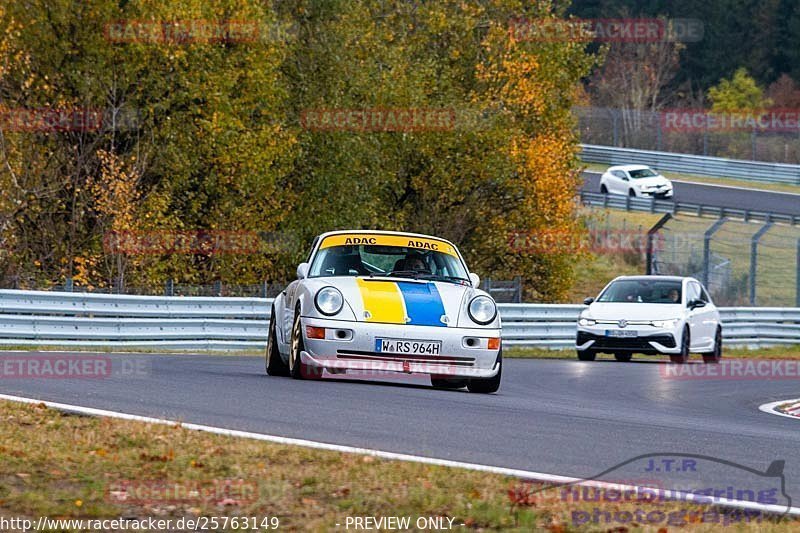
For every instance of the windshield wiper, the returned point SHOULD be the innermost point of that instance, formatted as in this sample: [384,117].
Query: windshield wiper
[399,273]
[438,277]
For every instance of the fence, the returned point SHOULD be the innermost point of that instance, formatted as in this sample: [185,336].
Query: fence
[654,205]
[650,130]
[741,263]
[35,318]
[756,171]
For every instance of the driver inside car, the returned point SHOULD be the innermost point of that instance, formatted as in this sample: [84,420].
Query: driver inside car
[416,262]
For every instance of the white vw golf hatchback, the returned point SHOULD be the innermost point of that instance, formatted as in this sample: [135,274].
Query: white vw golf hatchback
[650,315]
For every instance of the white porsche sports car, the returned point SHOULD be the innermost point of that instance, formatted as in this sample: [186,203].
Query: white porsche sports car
[389,302]
[651,315]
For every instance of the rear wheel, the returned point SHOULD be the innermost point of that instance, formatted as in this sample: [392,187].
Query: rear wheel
[623,357]
[603,188]
[274,364]
[586,355]
[444,383]
[631,193]
[297,368]
[716,355]
[683,357]
[488,385]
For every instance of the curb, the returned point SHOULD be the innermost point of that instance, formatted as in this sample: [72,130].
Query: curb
[787,408]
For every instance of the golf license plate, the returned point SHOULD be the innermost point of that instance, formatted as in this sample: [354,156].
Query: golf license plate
[623,333]
[408,347]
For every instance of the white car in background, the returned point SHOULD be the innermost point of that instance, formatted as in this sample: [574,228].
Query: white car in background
[636,181]
[650,315]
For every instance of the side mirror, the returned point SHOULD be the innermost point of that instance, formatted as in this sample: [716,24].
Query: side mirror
[588,301]
[475,279]
[694,304]
[302,270]
[626,178]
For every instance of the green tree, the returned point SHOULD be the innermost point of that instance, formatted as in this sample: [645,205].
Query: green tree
[740,93]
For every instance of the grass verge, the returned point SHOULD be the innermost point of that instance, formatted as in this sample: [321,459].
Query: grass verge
[68,466]
[776,352]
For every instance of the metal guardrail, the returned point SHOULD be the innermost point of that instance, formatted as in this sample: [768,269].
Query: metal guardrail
[33,318]
[655,205]
[757,171]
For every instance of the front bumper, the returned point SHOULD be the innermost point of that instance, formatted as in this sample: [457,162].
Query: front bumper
[649,340]
[349,347]
[657,194]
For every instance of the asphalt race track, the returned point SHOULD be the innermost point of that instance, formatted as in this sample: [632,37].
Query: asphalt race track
[720,196]
[559,417]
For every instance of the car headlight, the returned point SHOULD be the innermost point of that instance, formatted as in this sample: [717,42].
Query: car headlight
[329,300]
[665,324]
[482,310]
[587,321]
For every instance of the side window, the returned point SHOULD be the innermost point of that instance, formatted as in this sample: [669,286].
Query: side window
[620,174]
[704,295]
[692,292]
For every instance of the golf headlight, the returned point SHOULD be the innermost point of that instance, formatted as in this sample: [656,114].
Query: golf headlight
[586,322]
[665,324]
[329,300]
[482,310]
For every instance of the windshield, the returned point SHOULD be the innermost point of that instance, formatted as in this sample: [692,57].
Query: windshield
[643,291]
[642,173]
[386,255]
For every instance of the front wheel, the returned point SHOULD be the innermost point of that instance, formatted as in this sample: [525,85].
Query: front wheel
[586,355]
[716,355]
[274,364]
[488,385]
[297,368]
[623,357]
[683,357]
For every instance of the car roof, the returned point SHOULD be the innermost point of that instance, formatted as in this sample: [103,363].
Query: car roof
[654,278]
[629,167]
[383,232]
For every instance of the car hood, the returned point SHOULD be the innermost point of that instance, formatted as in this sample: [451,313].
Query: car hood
[403,301]
[653,181]
[633,311]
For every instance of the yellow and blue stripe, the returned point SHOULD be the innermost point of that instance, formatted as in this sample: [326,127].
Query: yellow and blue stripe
[402,302]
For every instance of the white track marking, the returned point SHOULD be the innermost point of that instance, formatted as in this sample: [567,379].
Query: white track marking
[512,472]
[770,408]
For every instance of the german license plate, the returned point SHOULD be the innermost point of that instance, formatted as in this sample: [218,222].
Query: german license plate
[623,333]
[408,347]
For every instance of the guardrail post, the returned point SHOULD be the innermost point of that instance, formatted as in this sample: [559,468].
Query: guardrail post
[707,249]
[68,284]
[169,288]
[218,288]
[754,258]
[650,235]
